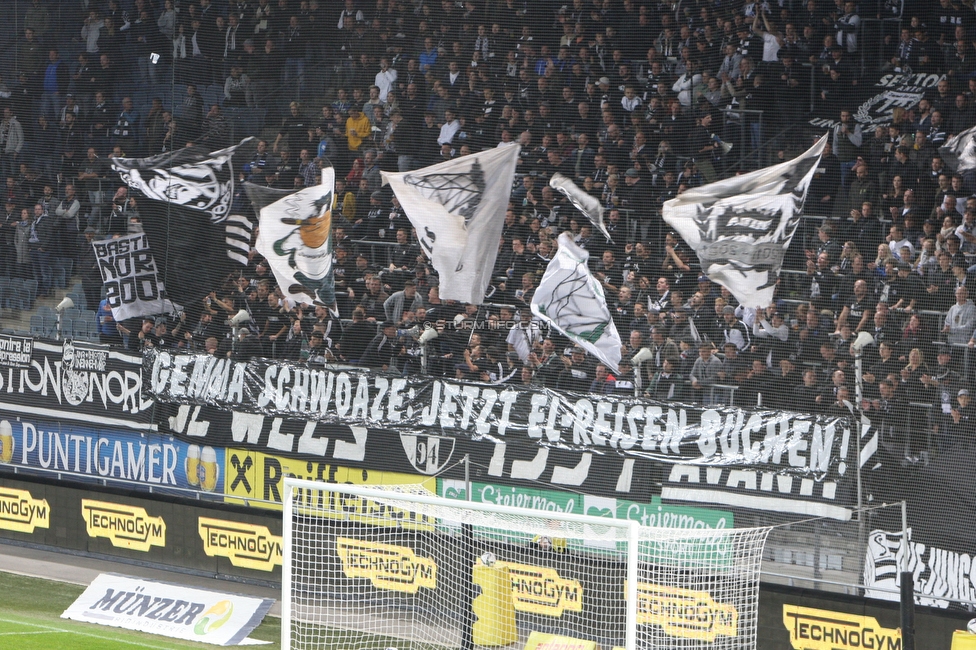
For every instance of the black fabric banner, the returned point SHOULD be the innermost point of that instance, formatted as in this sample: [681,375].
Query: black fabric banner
[75,381]
[766,460]
[187,215]
[872,104]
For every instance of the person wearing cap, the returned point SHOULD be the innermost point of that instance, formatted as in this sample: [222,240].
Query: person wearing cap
[735,366]
[383,350]
[578,373]
[771,333]
[942,383]
[708,291]
[734,331]
[962,422]
[907,289]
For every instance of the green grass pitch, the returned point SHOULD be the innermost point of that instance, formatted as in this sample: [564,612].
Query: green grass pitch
[30,619]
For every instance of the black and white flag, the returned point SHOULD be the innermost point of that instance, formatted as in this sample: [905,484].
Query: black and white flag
[128,270]
[570,299]
[959,152]
[196,238]
[458,208]
[741,226]
[590,206]
[295,237]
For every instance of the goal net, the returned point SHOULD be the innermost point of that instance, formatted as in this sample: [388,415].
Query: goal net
[380,568]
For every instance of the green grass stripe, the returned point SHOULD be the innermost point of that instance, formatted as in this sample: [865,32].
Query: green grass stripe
[30,619]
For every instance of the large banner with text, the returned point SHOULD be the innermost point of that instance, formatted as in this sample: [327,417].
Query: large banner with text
[72,380]
[599,444]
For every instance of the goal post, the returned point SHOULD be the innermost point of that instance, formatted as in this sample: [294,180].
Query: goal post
[375,568]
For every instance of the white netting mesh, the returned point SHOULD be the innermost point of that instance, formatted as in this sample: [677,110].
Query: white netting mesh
[385,572]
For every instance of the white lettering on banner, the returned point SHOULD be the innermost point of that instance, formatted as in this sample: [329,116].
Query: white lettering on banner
[15,351]
[96,456]
[70,381]
[777,439]
[129,274]
[892,91]
[940,576]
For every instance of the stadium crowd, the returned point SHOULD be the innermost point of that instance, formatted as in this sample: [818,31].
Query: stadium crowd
[636,100]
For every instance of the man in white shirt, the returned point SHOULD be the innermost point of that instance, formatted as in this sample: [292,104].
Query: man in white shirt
[897,239]
[385,78]
[449,129]
[772,40]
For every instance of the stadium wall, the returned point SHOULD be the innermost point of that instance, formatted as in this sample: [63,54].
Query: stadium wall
[213,539]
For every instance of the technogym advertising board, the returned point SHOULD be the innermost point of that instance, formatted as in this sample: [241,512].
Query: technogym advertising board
[106,523]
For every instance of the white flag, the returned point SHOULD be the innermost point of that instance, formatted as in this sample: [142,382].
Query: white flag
[295,237]
[570,299]
[959,152]
[590,206]
[741,226]
[132,283]
[458,208]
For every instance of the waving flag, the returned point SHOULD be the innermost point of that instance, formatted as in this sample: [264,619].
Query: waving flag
[570,299]
[295,237]
[959,152]
[741,226]
[458,208]
[589,205]
[195,238]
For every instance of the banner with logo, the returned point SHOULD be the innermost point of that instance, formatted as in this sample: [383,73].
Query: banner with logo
[168,609]
[128,270]
[295,237]
[82,453]
[21,512]
[570,299]
[740,227]
[257,479]
[458,208]
[805,619]
[764,460]
[187,217]
[124,526]
[74,381]
[941,575]
[249,546]
[656,513]
[874,103]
